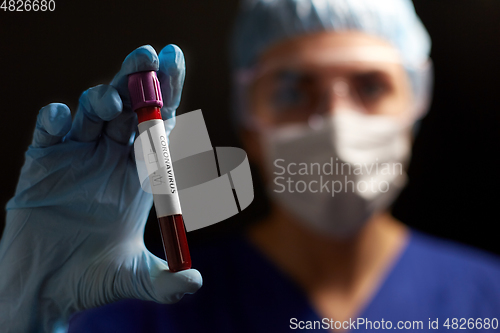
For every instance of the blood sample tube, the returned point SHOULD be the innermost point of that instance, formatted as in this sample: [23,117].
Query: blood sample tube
[146,100]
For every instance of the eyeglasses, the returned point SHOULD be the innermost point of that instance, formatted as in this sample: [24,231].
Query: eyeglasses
[294,94]
[370,80]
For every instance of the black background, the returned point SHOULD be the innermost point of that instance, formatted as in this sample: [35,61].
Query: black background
[454,176]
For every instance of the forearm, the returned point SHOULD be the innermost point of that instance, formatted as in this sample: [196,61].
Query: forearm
[23,305]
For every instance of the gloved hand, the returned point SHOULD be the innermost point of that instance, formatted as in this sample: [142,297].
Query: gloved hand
[74,233]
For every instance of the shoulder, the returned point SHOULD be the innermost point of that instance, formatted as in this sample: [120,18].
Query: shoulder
[454,256]
[454,276]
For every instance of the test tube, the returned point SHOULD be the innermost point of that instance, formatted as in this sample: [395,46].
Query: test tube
[146,100]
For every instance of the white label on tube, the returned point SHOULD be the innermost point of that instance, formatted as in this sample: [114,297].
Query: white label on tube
[160,169]
[205,194]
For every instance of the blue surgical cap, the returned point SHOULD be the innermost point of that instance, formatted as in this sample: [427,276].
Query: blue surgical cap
[262,23]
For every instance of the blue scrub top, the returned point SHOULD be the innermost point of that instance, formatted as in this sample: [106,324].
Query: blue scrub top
[243,291]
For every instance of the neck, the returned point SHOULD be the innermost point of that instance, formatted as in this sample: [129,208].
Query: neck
[318,262]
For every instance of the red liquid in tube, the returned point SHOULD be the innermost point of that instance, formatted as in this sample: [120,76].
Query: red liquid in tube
[175,243]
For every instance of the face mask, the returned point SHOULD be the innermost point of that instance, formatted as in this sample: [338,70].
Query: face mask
[335,173]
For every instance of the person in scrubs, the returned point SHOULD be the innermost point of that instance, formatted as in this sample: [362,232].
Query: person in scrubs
[327,97]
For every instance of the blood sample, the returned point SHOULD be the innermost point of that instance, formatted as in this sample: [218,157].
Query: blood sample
[146,100]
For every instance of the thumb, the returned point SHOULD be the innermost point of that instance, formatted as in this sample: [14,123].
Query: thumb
[169,287]
[149,279]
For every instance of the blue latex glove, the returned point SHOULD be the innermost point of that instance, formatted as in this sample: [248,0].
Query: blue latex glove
[74,233]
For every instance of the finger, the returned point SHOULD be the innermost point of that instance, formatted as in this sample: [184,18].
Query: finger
[170,287]
[52,124]
[122,129]
[124,126]
[96,106]
[142,59]
[149,279]
[171,74]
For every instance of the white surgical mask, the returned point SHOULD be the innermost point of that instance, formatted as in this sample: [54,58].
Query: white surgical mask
[336,172]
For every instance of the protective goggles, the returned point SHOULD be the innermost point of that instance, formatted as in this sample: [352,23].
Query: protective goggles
[358,78]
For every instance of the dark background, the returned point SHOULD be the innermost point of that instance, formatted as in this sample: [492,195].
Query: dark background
[454,176]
